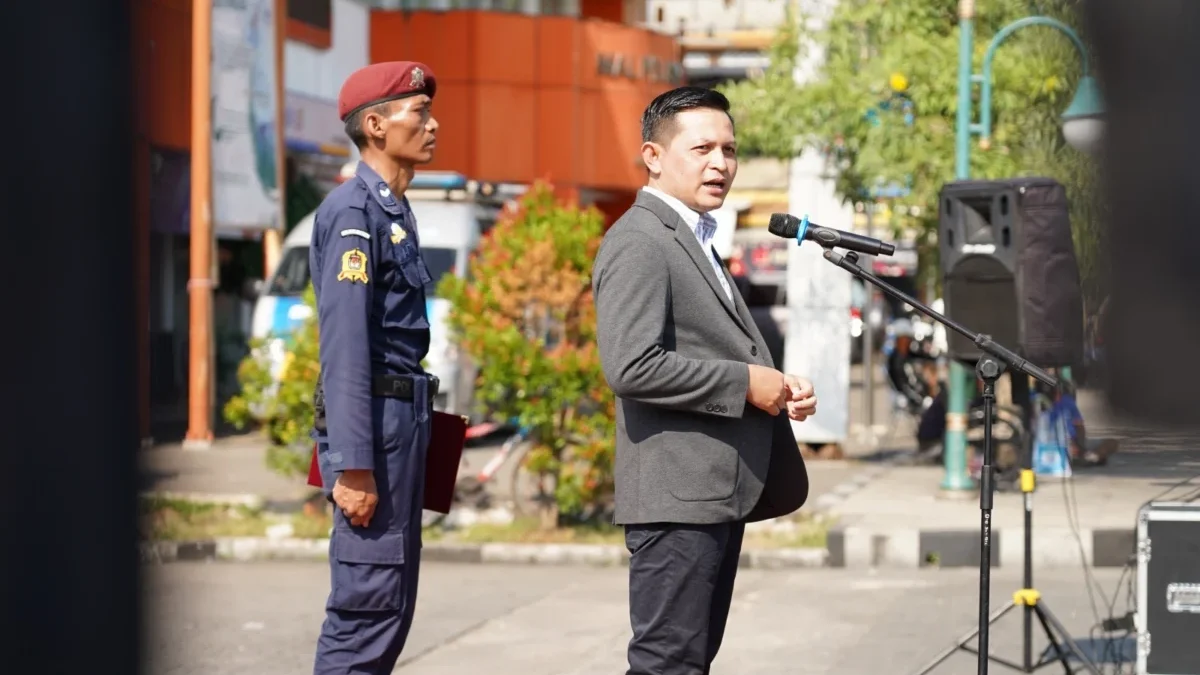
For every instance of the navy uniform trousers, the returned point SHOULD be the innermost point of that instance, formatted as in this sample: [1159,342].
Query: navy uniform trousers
[374,569]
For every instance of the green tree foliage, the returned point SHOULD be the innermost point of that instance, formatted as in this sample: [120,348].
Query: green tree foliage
[767,107]
[525,315]
[282,402]
[883,58]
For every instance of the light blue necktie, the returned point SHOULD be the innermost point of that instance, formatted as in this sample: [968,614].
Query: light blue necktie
[706,229]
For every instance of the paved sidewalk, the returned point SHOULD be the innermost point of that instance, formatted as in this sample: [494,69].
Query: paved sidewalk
[234,468]
[902,519]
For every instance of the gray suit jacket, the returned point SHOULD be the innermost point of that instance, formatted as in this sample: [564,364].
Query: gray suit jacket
[674,348]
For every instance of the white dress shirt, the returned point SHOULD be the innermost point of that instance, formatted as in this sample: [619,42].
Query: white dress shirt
[704,226]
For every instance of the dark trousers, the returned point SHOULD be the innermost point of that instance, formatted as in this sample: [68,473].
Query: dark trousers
[680,588]
[375,570]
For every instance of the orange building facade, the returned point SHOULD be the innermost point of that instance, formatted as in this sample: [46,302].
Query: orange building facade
[524,98]
[521,98]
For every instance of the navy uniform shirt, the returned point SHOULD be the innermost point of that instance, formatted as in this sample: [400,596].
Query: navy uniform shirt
[369,280]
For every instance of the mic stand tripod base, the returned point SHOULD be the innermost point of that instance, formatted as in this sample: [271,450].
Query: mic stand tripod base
[1062,649]
[1063,646]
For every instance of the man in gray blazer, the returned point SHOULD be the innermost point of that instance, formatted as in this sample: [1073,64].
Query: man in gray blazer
[702,447]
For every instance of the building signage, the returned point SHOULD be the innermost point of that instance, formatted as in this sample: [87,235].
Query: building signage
[245,110]
[649,68]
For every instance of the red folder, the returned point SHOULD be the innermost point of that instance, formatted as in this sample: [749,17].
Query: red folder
[446,440]
[314,471]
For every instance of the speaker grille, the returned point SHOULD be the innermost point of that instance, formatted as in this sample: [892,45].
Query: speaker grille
[981,295]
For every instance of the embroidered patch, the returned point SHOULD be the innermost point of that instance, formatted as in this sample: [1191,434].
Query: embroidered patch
[354,266]
[356,233]
[398,233]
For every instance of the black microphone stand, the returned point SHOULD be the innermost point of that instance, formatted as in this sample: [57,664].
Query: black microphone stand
[989,368]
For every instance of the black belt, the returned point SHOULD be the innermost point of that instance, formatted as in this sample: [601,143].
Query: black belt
[400,386]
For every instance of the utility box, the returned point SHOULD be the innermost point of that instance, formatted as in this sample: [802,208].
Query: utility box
[1168,589]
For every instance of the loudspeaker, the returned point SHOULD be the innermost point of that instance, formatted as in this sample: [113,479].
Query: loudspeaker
[1009,269]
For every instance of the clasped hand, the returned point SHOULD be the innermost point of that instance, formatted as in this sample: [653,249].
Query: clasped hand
[355,494]
[772,391]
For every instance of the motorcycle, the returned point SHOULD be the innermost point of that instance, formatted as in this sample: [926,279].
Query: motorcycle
[911,363]
[914,356]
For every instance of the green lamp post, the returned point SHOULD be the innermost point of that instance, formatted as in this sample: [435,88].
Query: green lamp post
[1082,123]
[1082,129]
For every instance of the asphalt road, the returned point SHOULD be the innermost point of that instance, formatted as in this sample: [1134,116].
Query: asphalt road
[262,619]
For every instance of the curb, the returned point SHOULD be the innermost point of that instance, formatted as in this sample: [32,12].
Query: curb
[859,548]
[244,549]
[848,547]
[854,547]
[247,500]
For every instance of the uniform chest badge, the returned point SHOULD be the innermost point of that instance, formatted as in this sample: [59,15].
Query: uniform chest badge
[398,233]
[354,266]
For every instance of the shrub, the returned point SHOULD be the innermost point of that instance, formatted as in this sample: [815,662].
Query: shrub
[525,316]
[282,402]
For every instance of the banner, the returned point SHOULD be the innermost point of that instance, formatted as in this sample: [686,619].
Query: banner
[245,114]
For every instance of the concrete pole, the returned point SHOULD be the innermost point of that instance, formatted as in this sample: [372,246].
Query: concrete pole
[273,237]
[200,282]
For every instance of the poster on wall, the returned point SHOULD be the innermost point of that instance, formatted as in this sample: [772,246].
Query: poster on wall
[245,114]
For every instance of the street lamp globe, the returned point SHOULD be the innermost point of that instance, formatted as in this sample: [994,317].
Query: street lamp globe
[1083,123]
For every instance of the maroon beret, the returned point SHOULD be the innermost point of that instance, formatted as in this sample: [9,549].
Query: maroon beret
[380,82]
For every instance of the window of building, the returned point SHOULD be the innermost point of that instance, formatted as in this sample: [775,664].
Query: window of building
[315,13]
[310,22]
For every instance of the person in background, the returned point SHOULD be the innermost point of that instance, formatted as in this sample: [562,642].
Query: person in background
[1083,451]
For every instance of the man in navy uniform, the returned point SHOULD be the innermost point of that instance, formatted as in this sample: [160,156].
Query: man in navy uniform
[370,282]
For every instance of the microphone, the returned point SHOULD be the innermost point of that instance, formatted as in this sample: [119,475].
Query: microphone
[790,227]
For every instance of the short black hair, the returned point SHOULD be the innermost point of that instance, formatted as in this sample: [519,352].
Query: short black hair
[659,118]
[354,122]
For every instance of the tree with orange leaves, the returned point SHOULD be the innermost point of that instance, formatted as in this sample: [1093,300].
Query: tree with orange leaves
[525,317]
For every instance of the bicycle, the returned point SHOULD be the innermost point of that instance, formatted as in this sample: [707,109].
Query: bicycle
[528,493]
[472,489]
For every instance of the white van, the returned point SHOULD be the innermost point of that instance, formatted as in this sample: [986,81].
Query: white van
[449,233]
